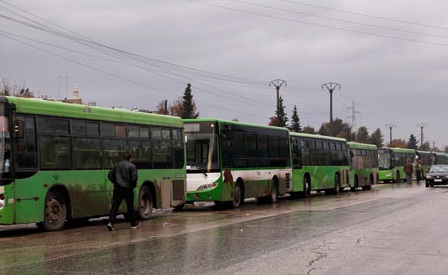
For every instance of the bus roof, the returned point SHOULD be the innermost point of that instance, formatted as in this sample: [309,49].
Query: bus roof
[358,145]
[419,152]
[68,110]
[192,120]
[398,150]
[317,136]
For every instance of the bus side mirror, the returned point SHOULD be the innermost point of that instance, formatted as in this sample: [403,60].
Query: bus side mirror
[350,153]
[18,129]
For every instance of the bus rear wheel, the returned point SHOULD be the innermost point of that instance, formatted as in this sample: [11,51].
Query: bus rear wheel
[306,187]
[55,212]
[369,187]
[273,196]
[237,197]
[145,203]
[355,185]
[337,184]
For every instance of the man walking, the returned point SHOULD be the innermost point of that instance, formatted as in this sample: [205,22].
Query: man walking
[408,170]
[124,177]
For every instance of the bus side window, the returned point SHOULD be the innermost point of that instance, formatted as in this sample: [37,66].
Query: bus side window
[25,146]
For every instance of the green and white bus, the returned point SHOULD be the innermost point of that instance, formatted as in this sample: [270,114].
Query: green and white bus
[54,160]
[320,163]
[229,161]
[363,165]
[391,162]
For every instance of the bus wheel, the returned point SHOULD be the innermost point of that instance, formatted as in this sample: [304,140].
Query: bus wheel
[369,187]
[145,203]
[337,184]
[355,185]
[306,187]
[55,212]
[237,196]
[273,197]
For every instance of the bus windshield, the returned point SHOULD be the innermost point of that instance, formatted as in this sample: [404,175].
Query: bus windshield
[384,160]
[5,146]
[201,147]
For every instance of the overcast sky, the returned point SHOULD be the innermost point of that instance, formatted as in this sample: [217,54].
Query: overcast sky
[389,57]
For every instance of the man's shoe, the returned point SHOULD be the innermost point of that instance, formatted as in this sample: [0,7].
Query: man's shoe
[110,227]
[136,225]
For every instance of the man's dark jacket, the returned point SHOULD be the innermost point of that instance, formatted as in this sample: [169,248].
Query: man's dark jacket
[124,174]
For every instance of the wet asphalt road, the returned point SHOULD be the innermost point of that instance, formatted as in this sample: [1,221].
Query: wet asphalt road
[393,229]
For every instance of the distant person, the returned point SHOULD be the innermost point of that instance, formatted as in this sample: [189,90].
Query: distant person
[418,170]
[124,177]
[408,170]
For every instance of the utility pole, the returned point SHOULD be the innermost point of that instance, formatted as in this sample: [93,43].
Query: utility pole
[421,125]
[330,87]
[66,86]
[354,112]
[390,126]
[59,94]
[277,84]
[433,143]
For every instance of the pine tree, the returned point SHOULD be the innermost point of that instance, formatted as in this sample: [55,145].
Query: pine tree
[412,143]
[363,135]
[377,138]
[280,116]
[295,121]
[188,110]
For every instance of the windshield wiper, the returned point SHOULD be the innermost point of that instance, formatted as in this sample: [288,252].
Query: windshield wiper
[198,168]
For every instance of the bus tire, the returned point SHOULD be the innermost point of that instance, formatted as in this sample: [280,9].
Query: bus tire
[55,212]
[306,187]
[273,195]
[337,184]
[355,185]
[369,187]
[237,197]
[145,203]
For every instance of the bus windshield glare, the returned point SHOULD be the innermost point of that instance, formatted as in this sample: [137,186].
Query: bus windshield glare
[384,160]
[201,147]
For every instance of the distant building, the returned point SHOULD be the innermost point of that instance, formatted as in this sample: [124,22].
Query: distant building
[75,99]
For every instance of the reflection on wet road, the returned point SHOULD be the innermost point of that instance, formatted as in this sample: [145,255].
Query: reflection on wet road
[382,230]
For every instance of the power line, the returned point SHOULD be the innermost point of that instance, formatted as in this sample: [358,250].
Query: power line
[322,25]
[367,15]
[62,32]
[339,20]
